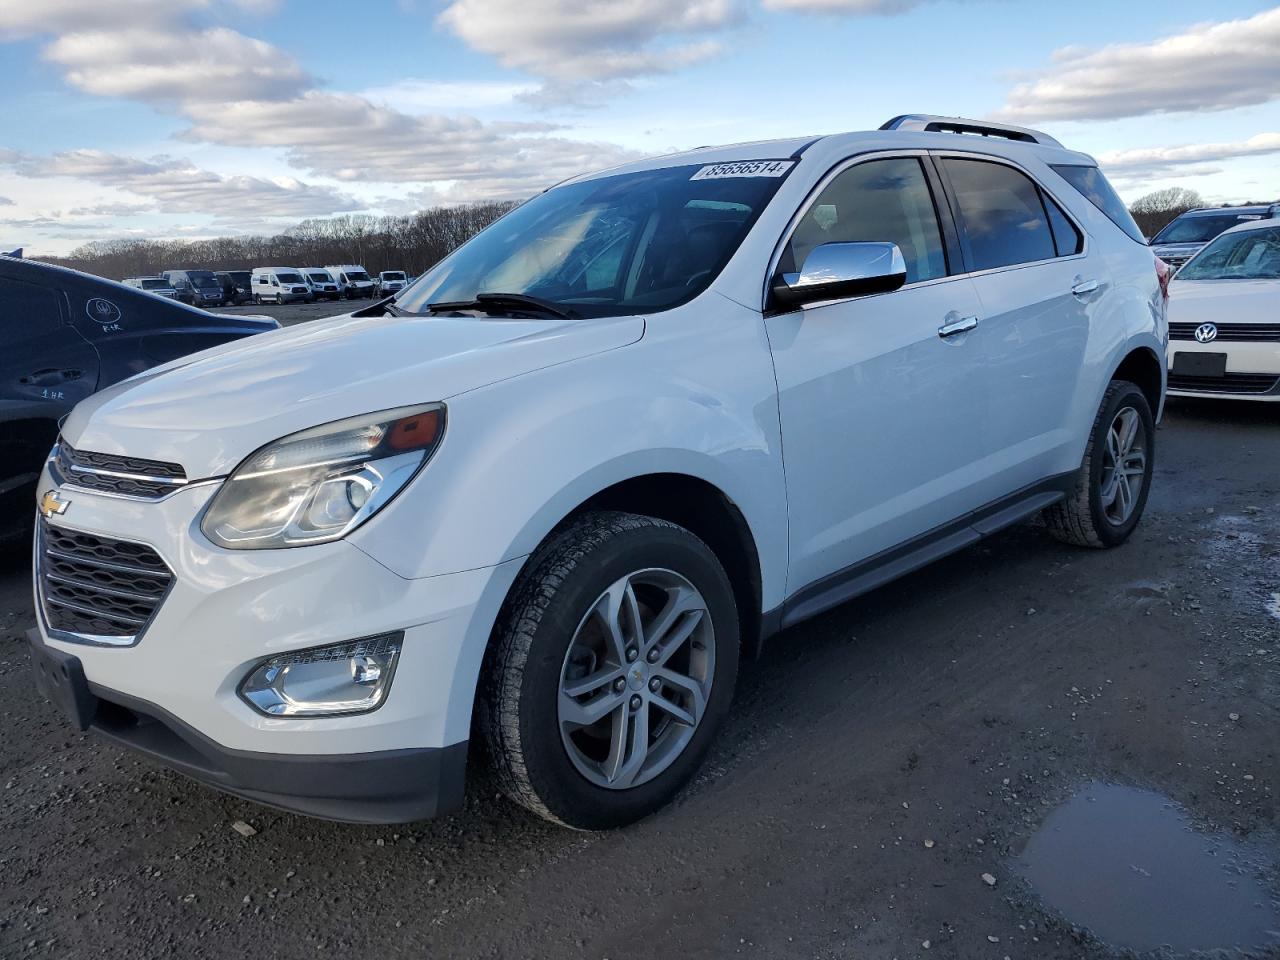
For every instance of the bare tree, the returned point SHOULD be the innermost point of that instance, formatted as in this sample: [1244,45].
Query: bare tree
[1156,209]
[412,243]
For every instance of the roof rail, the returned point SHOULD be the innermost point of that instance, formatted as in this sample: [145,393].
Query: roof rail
[931,124]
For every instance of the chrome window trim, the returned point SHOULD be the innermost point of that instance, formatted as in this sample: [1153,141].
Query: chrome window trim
[92,639]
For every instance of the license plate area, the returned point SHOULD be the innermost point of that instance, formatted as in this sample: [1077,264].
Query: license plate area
[1199,364]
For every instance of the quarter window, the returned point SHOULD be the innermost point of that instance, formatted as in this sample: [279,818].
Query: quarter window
[1066,238]
[880,200]
[1002,218]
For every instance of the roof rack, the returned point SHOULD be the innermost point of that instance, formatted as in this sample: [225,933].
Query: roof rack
[931,124]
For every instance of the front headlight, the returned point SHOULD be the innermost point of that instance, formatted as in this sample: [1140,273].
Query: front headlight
[320,484]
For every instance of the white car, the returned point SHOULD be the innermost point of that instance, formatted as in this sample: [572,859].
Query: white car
[1224,317]
[157,286]
[656,415]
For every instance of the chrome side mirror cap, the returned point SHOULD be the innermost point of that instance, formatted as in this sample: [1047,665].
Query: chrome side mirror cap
[833,271]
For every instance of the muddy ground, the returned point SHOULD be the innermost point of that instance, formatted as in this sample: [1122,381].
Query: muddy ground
[878,762]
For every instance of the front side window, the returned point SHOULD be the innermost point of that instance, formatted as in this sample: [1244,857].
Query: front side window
[1250,255]
[1002,218]
[631,243]
[886,201]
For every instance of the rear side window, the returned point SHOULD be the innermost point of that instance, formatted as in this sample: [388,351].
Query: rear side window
[1090,182]
[1002,219]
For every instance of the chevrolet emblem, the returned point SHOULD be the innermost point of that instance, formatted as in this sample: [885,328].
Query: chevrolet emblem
[51,504]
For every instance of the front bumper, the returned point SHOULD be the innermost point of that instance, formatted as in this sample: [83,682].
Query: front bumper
[1253,370]
[387,786]
[173,694]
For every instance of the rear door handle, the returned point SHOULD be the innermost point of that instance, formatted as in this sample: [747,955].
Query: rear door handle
[1083,287]
[951,328]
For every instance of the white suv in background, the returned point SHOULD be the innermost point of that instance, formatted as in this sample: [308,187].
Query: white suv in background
[556,489]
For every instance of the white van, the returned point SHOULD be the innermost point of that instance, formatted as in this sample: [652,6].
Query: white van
[279,285]
[353,280]
[323,285]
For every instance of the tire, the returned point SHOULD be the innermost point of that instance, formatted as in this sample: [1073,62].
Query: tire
[257,298]
[559,769]
[1093,513]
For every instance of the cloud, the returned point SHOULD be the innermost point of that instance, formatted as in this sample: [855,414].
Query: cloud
[855,7]
[161,65]
[348,138]
[178,186]
[5,202]
[573,47]
[1210,66]
[112,210]
[1189,160]
[25,18]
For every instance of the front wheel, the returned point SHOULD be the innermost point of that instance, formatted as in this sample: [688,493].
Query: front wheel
[1111,486]
[611,669]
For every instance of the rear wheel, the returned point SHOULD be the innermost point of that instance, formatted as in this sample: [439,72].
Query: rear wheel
[610,672]
[1111,487]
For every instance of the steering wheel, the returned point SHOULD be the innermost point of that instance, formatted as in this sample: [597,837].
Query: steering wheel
[692,281]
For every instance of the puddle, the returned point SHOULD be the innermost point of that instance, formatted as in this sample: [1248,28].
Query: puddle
[1130,866]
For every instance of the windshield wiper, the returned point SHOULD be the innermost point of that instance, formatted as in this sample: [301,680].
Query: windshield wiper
[489,302]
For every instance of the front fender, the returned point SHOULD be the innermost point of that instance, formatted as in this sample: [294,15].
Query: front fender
[520,455]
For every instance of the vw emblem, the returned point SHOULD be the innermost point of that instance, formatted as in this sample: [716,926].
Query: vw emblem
[1206,333]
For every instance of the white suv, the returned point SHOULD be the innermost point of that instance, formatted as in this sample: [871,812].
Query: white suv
[555,490]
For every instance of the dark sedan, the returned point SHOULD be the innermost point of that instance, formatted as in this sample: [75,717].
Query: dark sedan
[64,335]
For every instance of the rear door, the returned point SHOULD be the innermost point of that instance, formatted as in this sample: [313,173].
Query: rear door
[1040,290]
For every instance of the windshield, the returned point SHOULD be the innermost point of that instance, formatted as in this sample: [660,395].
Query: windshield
[393,275]
[1250,255]
[157,284]
[1200,229]
[632,243]
[320,277]
[207,281]
[357,276]
[288,278]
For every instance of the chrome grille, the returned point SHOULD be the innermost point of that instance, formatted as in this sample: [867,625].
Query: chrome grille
[1239,332]
[111,473]
[97,587]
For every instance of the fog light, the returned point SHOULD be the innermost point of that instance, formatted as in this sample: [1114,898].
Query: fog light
[343,678]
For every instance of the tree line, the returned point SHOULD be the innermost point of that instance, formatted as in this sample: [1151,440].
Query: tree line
[411,243]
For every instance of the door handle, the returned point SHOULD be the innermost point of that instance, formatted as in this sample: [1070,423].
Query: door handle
[1083,287]
[951,328]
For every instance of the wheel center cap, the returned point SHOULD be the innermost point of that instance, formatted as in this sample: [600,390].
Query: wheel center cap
[637,675]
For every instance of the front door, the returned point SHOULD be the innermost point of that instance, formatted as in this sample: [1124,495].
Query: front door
[880,412]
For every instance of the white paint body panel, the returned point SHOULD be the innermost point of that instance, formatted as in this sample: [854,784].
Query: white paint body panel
[1228,301]
[838,431]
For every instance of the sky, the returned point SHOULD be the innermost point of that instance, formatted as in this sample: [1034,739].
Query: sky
[200,118]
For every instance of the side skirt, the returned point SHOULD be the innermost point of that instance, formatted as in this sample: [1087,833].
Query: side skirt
[888,565]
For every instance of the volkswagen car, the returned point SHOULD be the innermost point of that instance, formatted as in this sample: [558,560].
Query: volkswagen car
[1224,317]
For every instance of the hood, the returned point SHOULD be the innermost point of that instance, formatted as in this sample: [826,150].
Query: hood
[210,410]
[1221,301]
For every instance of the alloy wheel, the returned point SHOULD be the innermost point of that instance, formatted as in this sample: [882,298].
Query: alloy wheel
[1124,466]
[636,678]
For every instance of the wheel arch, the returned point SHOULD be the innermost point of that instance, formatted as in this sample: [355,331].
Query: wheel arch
[1144,368]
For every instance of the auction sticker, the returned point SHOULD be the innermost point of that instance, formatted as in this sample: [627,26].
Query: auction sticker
[744,168]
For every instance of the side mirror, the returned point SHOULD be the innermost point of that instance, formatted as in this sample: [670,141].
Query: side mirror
[833,271]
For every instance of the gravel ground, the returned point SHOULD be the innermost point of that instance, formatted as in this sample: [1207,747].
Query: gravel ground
[878,762]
